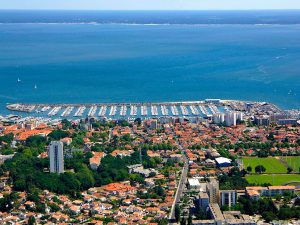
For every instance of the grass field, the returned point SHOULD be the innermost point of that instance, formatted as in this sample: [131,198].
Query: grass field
[293,161]
[276,179]
[272,165]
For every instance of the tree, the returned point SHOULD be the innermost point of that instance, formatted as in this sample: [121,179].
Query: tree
[31,220]
[260,169]
[58,134]
[289,169]
[183,221]
[249,169]
[177,212]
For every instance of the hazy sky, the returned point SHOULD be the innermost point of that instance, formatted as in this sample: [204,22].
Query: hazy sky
[149,4]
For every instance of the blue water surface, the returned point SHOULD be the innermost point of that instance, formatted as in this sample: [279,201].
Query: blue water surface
[113,62]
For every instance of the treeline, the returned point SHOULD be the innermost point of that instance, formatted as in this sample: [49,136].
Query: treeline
[234,180]
[27,174]
[155,147]
[27,171]
[268,210]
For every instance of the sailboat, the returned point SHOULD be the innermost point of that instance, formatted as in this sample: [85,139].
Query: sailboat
[35,87]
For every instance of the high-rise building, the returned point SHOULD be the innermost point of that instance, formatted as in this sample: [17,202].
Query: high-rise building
[228,197]
[212,189]
[219,118]
[56,155]
[203,200]
[230,118]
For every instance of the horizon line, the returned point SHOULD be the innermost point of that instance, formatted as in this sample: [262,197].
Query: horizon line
[158,10]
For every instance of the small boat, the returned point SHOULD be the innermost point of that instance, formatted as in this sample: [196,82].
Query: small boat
[19,80]
[35,87]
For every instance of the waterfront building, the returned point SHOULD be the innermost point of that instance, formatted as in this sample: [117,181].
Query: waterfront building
[262,120]
[218,118]
[56,155]
[230,119]
[287,122]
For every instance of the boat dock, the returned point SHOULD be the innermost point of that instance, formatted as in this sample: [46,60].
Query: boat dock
[164,110]
[184,110]
[102,111]
[113,110]
[154,110]
[203,110]
[67,111]
[123,110]
[54,111]
[80,111]
[194,110]
[174,110]
[92,111]
[133,110]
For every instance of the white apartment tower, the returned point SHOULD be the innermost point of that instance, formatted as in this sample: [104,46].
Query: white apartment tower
[56,155]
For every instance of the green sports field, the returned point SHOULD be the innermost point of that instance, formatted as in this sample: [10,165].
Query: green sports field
[293,162]
[276,179]
[271,164]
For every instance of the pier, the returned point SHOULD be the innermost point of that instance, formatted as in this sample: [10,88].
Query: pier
[80,111]
[154,110]
[113,110]
[164,110]
[144,111]
[102,111]
[133,110]
[123,110]
[194,110]
[92,111]
[184,110]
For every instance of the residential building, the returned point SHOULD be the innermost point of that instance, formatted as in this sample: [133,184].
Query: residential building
[56,155]
[203,200]
[212,188]
[228,197]
[216,214]
[262,120]
[194,184]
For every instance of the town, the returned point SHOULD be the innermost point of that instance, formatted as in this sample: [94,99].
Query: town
[239,166]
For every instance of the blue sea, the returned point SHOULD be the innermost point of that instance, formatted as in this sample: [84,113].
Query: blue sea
[96,56]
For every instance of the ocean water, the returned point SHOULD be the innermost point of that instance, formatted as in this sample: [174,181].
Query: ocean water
[79,59]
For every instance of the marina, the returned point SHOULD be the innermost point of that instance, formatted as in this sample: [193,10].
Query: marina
[205,109]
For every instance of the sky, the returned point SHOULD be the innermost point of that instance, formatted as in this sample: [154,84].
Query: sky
[150,4]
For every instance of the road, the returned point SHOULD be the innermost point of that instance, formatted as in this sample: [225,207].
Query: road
[180,187]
